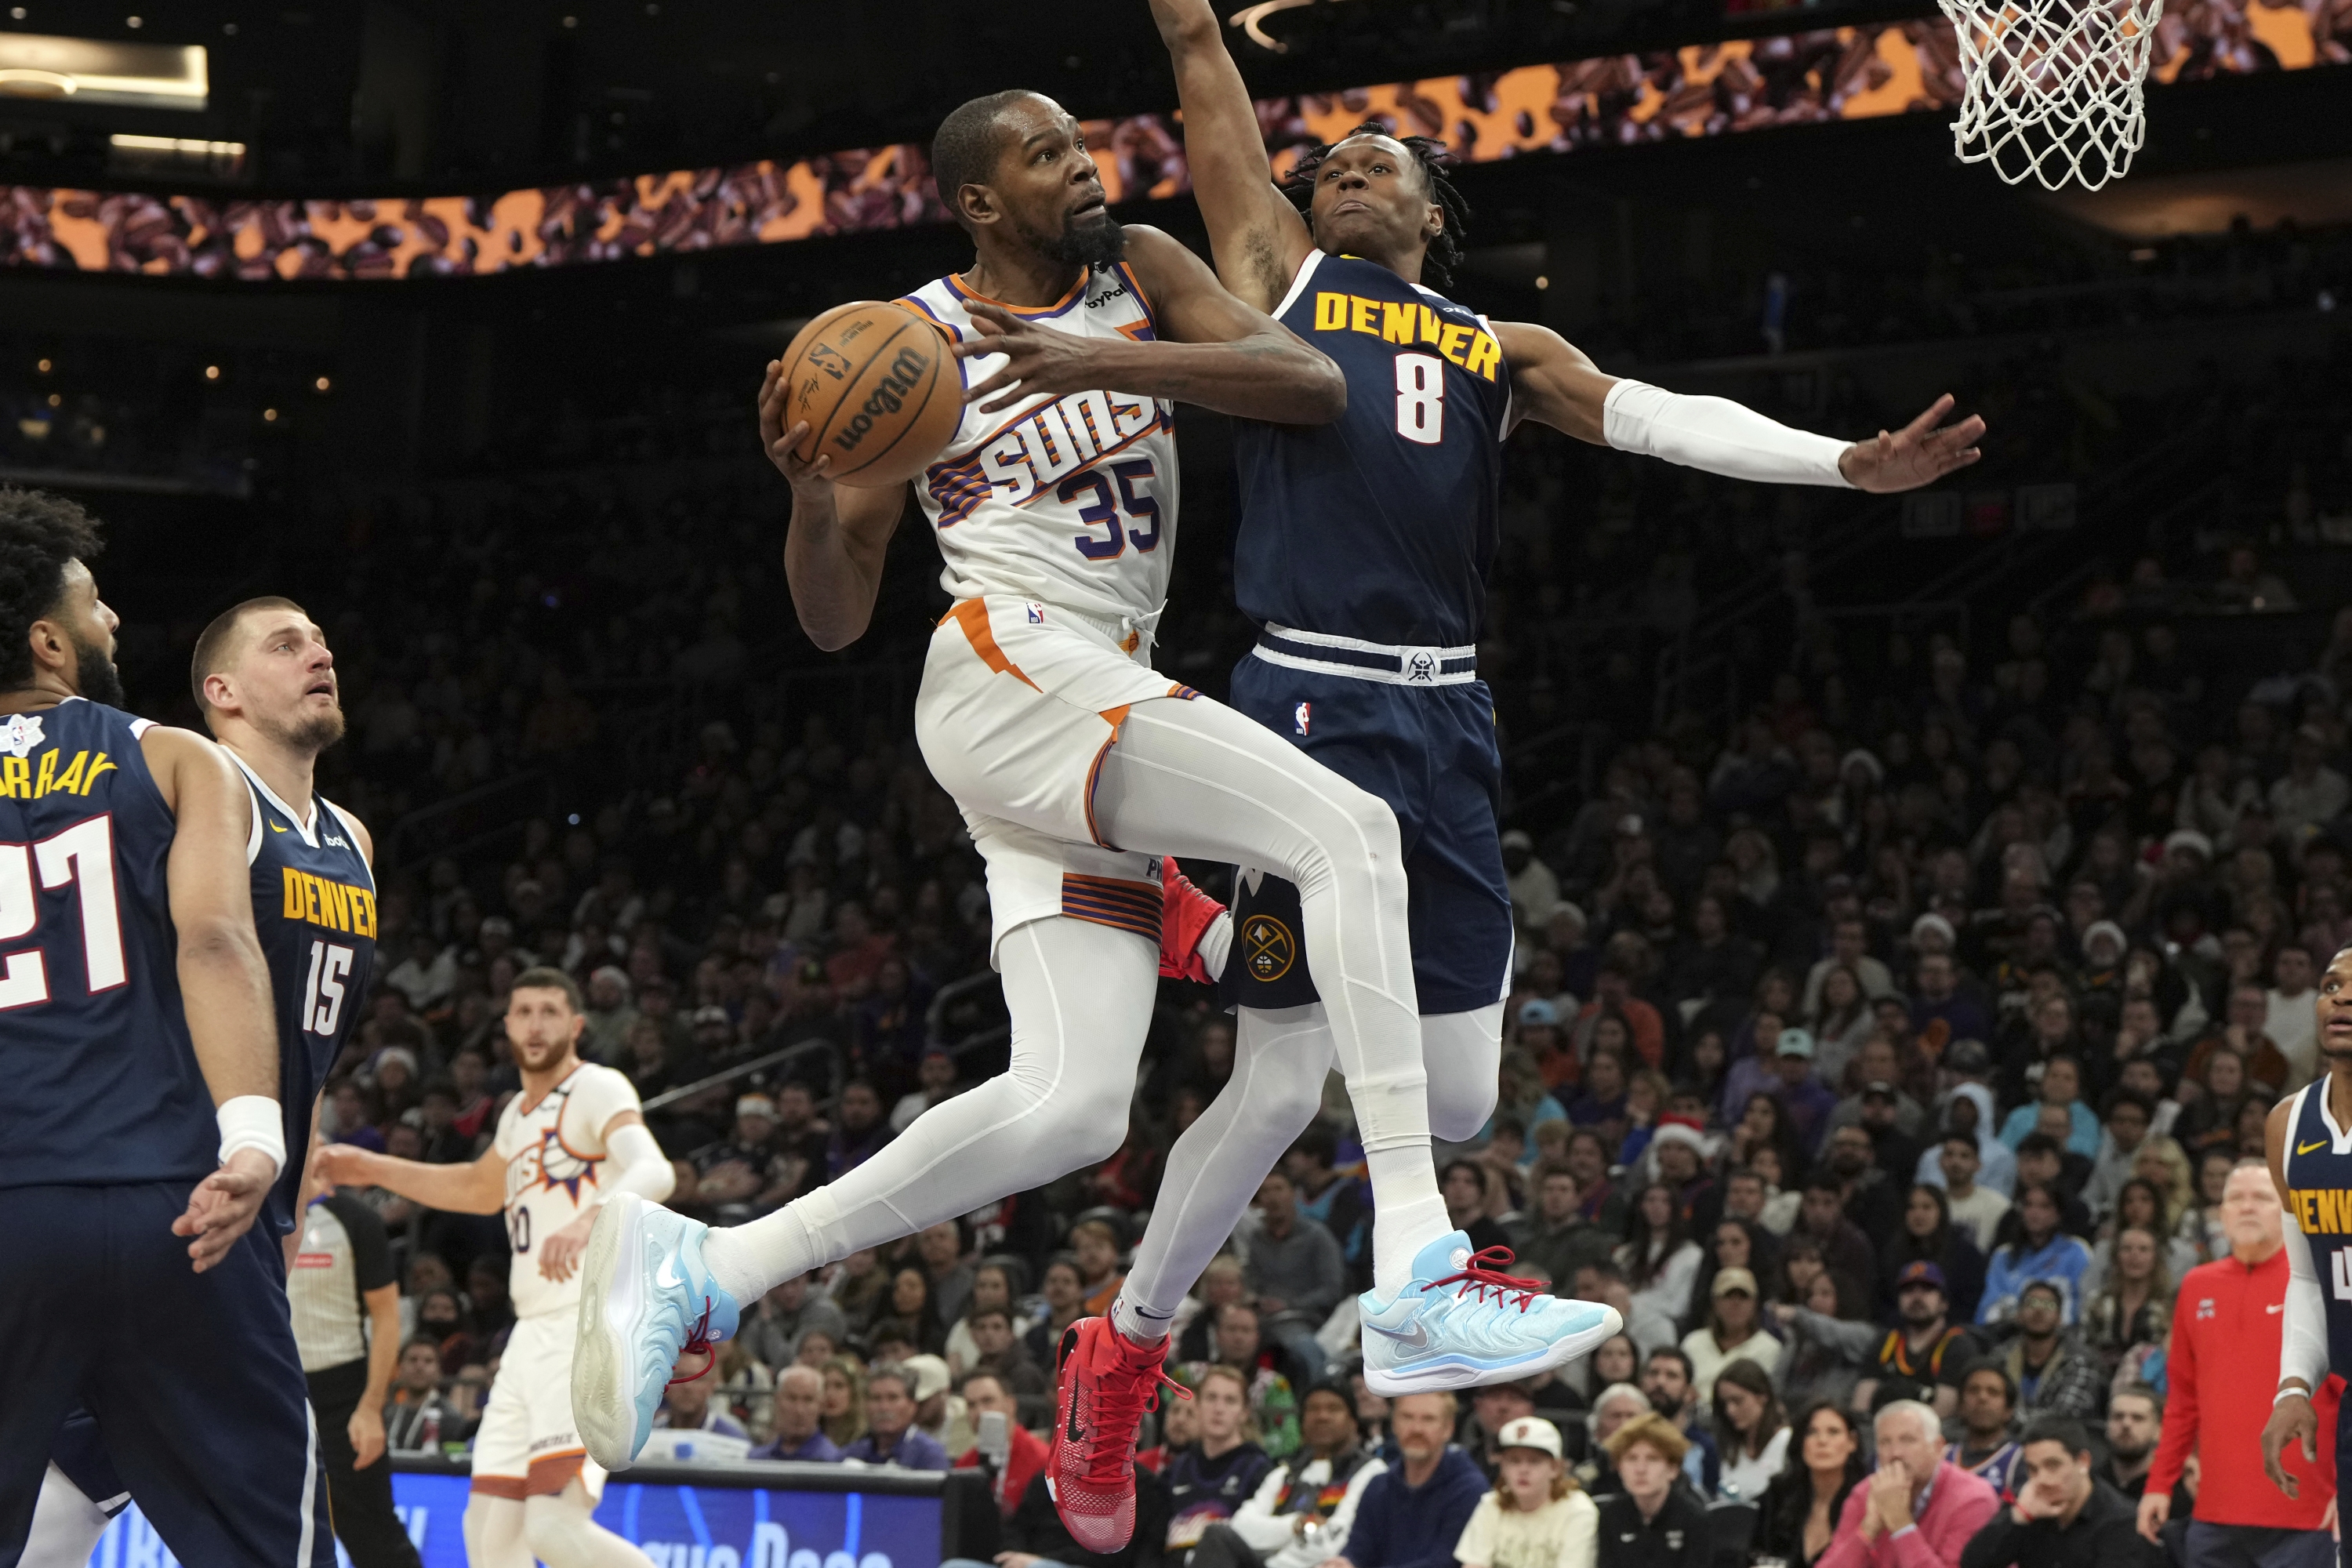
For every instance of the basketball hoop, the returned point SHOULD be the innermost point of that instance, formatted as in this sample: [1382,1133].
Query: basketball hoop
[2053,87]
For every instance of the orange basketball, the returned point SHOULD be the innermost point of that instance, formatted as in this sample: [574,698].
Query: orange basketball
[878,388]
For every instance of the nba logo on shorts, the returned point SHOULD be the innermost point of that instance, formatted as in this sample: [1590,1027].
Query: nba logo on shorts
[1036,614]
[1299,716]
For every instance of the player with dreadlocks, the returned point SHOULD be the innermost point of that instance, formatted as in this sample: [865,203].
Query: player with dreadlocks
[1362,555]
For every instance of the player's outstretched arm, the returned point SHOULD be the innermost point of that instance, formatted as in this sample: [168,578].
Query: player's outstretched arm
[1258,236]
[479,1188]
[1553,383]
[223,983]
[1213,350]
[838,534]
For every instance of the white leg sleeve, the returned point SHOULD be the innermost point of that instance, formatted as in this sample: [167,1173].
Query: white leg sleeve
[2302,1338]
[1465,1055]
[563,1533]
[1197,779]
[494,1535]
[66,1525]
[1280,1059]
[1081,998]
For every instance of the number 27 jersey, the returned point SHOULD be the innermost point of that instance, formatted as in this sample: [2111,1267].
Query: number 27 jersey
[1069,500]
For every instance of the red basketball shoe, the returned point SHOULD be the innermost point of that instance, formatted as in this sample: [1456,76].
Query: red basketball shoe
[1107,1381]
[1186,913]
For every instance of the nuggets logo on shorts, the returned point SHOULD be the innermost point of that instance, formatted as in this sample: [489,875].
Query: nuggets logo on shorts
[1268,948]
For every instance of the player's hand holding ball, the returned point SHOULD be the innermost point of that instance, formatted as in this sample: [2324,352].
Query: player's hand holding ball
[224,1204]
[1038,359]
[810,481]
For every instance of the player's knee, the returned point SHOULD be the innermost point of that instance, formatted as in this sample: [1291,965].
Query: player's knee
[1091,1125]
[1459,1106]
[555,1530]
[1358,839]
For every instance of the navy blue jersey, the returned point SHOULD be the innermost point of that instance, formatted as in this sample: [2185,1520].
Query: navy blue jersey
[2319,1193]
[1383,525]
[99,1081]
[314,910]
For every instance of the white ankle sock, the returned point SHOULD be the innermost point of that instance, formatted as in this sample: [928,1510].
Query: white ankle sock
[1408,1214]
[1140,1326]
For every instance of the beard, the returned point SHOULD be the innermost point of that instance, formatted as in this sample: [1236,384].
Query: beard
[100,681]
[1093,245]
[313,732]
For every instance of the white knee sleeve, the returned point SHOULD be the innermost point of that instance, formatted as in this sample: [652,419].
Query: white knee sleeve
[562,1534]
[1462,1053]
[494,1532]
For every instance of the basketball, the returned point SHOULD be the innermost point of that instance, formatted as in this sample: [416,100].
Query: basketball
[878,389]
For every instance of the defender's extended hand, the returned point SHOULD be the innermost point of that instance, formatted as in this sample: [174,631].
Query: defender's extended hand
[1039,359]
[1918,454]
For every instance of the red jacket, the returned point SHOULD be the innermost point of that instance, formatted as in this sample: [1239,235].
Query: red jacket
[1021,1467]
[2221,1372]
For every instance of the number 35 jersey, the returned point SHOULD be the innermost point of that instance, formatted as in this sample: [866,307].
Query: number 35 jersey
[314,911]
[554,1151]
[1383,525]
[1068,500]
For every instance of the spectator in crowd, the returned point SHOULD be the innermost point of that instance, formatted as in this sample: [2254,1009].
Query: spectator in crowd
[1065,1303]
[2131,1311]
[1969,1201]
[2220,1368]
[1239,1343]
[1800,1510]
[939,1249]
[891,1436]
[1987,1445]
[1211,1477]
[1652,1520]
[2063,1515]
[2135,1423]
[998,1354]
[418,1419]
[1294,1268]
[1731,1332]
[1649,1326]
[2042,1253]
[1034,1537]
[1331,1200]
[1843,1246]
[2055,1373]
[1302,1514]
[687,1407]
[844,1402]
[786,1313]
[1751,1430]
[1413,1515]
[1667,1379]
[799,1411]
[1658,1258]
[1463,1184]
[1023,1456]
[1612,1406]
[1913,1492]
[1555,1235]
[1929,1236]
[1536,1516]
[1094,1246]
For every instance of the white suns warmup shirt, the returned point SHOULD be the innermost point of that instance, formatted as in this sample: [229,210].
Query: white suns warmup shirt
[1068,500]
[554,1151]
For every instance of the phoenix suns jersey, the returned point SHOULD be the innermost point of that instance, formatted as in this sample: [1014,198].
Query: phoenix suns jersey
[100,1079]
[1068,500]
[554,1151]
[314,911]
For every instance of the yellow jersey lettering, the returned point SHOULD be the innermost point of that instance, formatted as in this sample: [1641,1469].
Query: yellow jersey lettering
[293,910]
[1330,312]
[1485,353]
[2331,1209]
[98,765]
[1449,341]
[48,775]
[367,903]
[2307,1212]
[339,906]
[1364,315]
[71,781]
[1430,324]
[1396,321]
[312,897]
[16,778]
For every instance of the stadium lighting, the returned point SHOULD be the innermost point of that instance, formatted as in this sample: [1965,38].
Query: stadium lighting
[94,71]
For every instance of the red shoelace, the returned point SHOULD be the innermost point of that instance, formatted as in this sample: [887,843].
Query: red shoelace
[697,1341]
[1483,1273]
[1119,1403]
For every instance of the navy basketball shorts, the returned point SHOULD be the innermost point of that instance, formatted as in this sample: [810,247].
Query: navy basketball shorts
[192,1378]
[1429,752]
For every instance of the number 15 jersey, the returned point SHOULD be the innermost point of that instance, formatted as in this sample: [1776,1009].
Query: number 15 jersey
[554,1151]
[1067,500]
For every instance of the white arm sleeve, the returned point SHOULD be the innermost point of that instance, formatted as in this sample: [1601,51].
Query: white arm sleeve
[1719,435]
[645,1169]
[2303,1339]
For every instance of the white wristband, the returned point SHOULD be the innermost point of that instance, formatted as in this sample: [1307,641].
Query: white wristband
[2289,1394]
[253,1122]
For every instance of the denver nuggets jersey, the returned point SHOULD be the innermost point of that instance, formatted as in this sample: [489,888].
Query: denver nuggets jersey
[554,1149]
[1068,500]
[100,1079]
[2319,1193]
[1383,524]
[314,910]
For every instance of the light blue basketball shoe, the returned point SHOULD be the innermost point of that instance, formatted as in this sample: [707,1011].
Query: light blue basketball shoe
[645,1298]
[1463,1324]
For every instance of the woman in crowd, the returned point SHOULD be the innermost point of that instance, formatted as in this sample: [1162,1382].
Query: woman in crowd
[1764,1124]
[1750,1428]
[1536,1516]
[1784,1192]
[1705,1065]
[1658,1257]
[1813,1371]
[1600,1099]
[2198,1227]
[912,1312]
[1929,1236]
[843,1420]
[1731,1332]
[993,1288]
[1520,1092]
[861,1288]
[1646,1093]
[2211,1120]
[2141,1204]
[1212,1476]
[2130,1312]
[815,1348]
[1065,1303]
[1650,1523]
[1841,1021]
[2043,1251]
[444,1318]
[1801,1506]
[1736,1244]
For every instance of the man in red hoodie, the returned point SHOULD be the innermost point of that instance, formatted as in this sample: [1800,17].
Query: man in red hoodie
[2225,1348]
[1025,1455]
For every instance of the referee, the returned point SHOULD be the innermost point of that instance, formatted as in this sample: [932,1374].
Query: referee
[341,1275]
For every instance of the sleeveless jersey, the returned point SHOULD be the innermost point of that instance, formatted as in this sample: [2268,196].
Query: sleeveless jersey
[2319,1193]
[101,1080]
[1067,500]
[554,1151]
[1383,525]
[314,910]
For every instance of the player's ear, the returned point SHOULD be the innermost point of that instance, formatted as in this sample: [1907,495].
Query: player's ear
[976,206]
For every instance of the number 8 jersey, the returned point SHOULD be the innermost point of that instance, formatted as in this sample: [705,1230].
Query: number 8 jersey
[314,910]
[1067,500]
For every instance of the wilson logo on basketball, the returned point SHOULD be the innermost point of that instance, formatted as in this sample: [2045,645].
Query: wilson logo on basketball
[889,395]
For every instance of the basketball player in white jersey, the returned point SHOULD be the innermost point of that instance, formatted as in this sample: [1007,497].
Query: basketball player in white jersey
[1076,767]
[569,1142]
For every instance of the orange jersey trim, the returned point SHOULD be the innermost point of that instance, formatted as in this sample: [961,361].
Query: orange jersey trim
[503,1486]
[550,1473]
[955,282]
[1113,901]
[971,614]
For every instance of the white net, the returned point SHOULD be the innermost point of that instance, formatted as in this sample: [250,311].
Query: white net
[2053,87]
